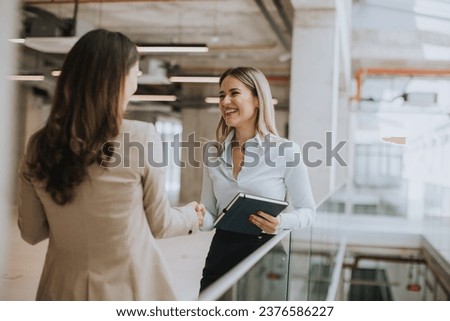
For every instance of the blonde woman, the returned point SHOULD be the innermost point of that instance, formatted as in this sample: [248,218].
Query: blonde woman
[253,159]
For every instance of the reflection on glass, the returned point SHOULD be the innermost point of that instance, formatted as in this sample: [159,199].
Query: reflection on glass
[262,276]
[268,279]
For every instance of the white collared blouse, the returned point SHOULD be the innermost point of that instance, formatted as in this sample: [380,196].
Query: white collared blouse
[273,167]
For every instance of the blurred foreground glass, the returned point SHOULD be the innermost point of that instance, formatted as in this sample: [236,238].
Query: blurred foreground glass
[7,121]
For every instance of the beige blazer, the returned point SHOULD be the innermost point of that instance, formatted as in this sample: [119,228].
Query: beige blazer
[102,245]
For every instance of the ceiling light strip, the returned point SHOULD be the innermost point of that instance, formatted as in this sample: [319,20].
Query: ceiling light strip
[194,79]
[17,40]
[153,49]
[137,98]
[27,77]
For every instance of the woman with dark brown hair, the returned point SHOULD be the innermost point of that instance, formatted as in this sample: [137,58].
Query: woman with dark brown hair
[88,184]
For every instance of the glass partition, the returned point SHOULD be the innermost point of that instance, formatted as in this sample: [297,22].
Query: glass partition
[262,276]
[268,279]
[384,257]
[319,263]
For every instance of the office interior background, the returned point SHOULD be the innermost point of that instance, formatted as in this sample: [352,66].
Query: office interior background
[370,76]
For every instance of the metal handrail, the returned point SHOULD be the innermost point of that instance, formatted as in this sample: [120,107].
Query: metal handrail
[336,275]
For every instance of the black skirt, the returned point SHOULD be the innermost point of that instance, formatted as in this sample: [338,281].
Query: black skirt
[226,251]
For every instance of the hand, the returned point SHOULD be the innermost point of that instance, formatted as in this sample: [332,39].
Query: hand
[265,222]
[193,204]
[201,211]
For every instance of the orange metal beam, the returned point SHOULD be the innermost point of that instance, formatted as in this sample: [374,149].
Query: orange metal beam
[406,72]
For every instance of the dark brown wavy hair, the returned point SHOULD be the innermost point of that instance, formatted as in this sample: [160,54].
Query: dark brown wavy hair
[86,113]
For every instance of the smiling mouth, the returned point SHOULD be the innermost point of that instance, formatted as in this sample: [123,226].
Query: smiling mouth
[229,112]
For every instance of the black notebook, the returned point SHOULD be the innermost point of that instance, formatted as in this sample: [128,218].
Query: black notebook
[234,217]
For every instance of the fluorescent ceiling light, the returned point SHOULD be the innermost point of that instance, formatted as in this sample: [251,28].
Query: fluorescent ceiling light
[62,45]
[17,40]
[194,79]
[56,45]
[26,77]
[55,73]
[212,100]
[137,98]
[144,48]
[215,100]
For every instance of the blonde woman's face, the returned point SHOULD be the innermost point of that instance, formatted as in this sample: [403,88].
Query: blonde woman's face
[131,83]
[237,104]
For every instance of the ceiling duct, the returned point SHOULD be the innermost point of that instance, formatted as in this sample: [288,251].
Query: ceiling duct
[271,20]
[45,32]
[41,23]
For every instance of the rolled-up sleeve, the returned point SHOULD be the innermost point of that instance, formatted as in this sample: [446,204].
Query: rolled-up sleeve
[302,211]
[209,200]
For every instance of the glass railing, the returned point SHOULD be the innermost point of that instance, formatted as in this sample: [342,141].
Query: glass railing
[369,267]
[279,270]
[315,273]
[318,264]
[262,276]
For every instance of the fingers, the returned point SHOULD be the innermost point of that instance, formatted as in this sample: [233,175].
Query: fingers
[200,219]
[265,222]
[193,204]
[200,210]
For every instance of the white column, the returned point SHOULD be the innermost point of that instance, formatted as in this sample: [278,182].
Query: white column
[318,88]
[7,24]
[191,174]
[342,172]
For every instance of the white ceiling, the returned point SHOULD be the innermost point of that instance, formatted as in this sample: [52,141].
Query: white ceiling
[235,30]
[385,34]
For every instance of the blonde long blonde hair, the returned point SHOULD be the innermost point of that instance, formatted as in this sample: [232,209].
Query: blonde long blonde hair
[257,82]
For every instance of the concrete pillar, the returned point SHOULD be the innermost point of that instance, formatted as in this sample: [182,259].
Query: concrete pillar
[7,30]
[343,133]
[319,82]
[201,123]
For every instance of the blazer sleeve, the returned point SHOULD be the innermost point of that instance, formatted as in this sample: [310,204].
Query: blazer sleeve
[164,220]
[32,220]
